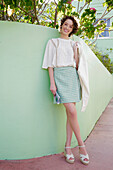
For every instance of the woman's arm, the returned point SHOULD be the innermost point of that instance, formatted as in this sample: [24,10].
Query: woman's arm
[52,81]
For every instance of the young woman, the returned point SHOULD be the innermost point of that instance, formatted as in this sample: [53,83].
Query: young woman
[62,60]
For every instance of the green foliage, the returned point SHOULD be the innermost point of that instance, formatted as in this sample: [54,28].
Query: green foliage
[104,58]
[48,14]
[108,3]
[88,1]
[87,28]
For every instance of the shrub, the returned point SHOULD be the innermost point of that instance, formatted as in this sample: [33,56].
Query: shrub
[104,58]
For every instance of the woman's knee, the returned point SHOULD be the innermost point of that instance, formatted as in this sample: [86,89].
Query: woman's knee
[70,108]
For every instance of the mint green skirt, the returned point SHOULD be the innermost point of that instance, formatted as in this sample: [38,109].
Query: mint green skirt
[68,84]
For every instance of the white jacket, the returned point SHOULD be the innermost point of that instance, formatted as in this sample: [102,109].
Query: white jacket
[83,73]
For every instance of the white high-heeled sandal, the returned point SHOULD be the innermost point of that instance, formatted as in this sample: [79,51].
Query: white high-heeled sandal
[82,157]
[68,156]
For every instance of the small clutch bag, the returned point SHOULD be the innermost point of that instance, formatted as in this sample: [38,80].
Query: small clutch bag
[57,98]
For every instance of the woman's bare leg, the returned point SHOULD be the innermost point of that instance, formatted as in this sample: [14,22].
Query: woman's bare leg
[69,133]
[69,130]
[72,115]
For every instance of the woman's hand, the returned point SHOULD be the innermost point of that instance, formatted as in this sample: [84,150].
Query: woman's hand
[53,88]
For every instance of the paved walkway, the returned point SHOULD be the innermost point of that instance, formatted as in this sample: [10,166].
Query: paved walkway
[99,146]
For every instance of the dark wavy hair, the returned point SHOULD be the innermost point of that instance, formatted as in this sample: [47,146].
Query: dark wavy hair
[75,24]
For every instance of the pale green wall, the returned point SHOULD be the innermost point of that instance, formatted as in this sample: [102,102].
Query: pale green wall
[30,124]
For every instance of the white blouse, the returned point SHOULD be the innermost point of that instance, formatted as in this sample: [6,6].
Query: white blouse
[64,56]
[59,52]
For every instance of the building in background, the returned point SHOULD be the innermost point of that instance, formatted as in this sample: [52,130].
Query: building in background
[104,41]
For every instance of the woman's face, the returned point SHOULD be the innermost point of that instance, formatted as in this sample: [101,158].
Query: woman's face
[67,27]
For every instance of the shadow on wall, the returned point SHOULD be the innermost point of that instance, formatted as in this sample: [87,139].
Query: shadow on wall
[30,125]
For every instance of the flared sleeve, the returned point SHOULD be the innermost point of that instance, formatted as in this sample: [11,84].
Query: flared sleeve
[49,55]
